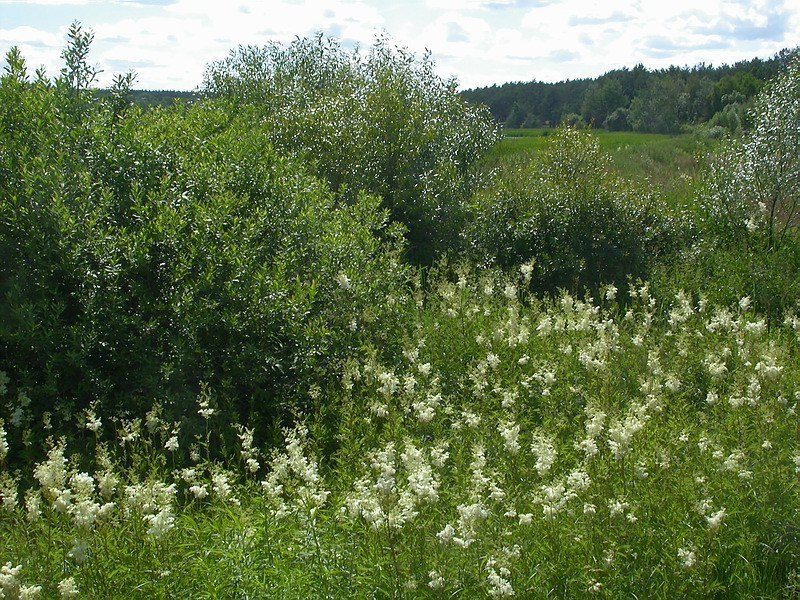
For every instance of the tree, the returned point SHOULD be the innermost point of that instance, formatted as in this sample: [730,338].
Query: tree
[754,183]
[601,100]
[381,121]
[655,109]
[619,120]
[516,117]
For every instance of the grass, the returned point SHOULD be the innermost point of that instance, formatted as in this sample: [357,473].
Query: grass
[669,163]
[518,447]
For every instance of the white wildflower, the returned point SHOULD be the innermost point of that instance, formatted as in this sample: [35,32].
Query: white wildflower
[436,581]
[715,520]
[499,585]
[67,588]
[344,281]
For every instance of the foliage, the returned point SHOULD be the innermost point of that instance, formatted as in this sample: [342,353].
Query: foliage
[581,224]
[747,208]
[618,120]
[704,90]
[383,122]
[516,448]
[143,253]
[754,182]
[603,99]
[655,109]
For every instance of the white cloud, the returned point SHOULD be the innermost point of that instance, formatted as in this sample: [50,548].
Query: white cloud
[169,42]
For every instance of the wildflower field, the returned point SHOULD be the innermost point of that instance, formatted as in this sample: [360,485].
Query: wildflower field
[248,352]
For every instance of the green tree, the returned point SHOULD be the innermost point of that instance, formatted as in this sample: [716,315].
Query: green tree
[380,121]
[656,108]
[144,252]
[601,100]
[619,120]
[516,117]
[754,183]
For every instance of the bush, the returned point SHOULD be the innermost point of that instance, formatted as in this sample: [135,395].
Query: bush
[147,252]
[383,122]
[619,120]
[748,207]
[581,224]
[753,185]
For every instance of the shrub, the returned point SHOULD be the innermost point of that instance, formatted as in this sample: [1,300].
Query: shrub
[753,185]
[581,224]
[147,252]
[619,120]
[383,122]
[748,208]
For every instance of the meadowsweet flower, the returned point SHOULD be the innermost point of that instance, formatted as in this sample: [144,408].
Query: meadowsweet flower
[93,422]
[205,409]
[545,452]
[425,409]
[389,383]
[768,368]
[52,474]
[620,433]
[29,592]
[526,519]
[470,517]
[421,480]
[509,399]
[510,434]
[446,535]
[471,419]
[172,443]
[687,557]
[8,492]
[199,491]
[3,442]
[436,581]
[67,588]
[745,303]
[714,520]
[293,483]
[344,281]
[499,584]
[161,522]
[439,454]
[510,291]
[578,481]
[527,270]
[617,507]
[130,432]
[248,452]
[33,506]
[222,488]
[9,580]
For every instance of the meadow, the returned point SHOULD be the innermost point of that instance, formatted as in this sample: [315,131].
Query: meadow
[325,333]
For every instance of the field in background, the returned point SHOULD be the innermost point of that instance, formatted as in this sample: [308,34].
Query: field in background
[671,163]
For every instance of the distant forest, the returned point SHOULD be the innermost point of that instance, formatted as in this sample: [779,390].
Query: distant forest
[152,98]
[638,99]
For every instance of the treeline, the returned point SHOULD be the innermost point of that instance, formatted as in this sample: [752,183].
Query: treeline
[153,98]
[638,99]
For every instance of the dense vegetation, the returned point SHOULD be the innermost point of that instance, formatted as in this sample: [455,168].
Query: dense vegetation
[638,99]
[313,335]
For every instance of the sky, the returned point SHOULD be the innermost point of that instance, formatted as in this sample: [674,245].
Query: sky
[168,43]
